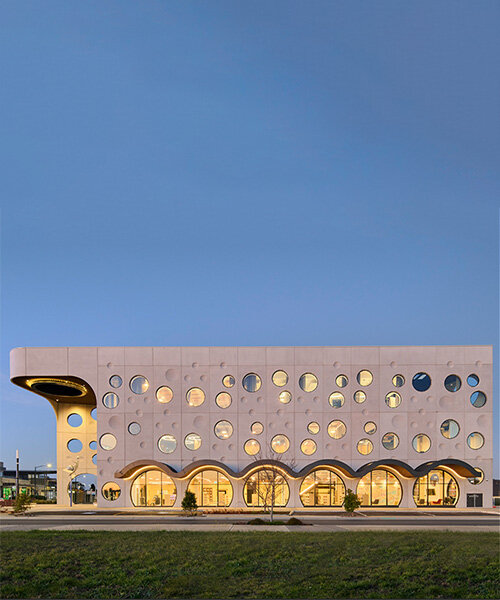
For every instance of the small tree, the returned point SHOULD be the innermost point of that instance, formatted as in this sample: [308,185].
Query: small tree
[22,503]
[189,503]
[351,502]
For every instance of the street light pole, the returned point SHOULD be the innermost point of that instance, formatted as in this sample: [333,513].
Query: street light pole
[17,474]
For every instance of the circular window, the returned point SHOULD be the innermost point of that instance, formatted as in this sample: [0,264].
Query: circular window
[223,400]
[453,383]
[390,441]
[364,378]
[336,399]
[110,400]
[115,381]
[473,380]
[94,459]
[393,399]
[280,378]
[308,447]
[111,491]
[421,443]
[421,382]
[252,447]
[164,394]
[475,440]
[93,445]
[398,381]
[449,429]
[476,480]
[308,382]
[93,414]
[364,446]
[478,399]
[359,397]
[341,381]
[195,396]
[134,428]
[167,443]
[75,420]
[139,384]
[280,443]
[252,382]
[192,441]
[256,428]
[313,428]
[228,381]
[223,430]
[285,397]
[107,441]
[370,428]
[337,430]
[74,445]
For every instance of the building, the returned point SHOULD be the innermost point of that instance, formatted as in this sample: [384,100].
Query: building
[402,426]
[38,483]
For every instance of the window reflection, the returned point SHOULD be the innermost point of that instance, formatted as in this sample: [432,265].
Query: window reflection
[437,488]
[322,488]
[153,488]
[266,487]
[379,488]
[211,488]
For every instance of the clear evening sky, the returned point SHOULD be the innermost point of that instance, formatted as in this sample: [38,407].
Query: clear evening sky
[244,173]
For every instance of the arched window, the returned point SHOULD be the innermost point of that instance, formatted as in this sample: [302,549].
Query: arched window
[211,488]
[437,488]
[153,488]
[380,488]
[266,487]
[322,488]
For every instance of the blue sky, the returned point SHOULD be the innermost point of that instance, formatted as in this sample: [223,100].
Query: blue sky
[244,173]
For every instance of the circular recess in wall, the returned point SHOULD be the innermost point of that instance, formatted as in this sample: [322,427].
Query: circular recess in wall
[288,425]
[479,363]
[243,400]
[398,420]
[109,459]
[483,420]
[109,365]
[142,444]
[222,459]
[336,364]
[392,364]
[279,412]
[421,411]
[251,412]
[75,420]
[364,411]
[115,421]
[328,446]
[231,447]
[195,365]
[271,425]
[316,399]
[187,377]
[222,365]
[130,400]
[175,425]
[260,399]
[158,425]
[166,411]
[172,375]
[450,363]
[147,400]
[413,424]
[139,412]
[458,446]
[203,377]
[214,446]
[198,421]
[308,412]
[446,403]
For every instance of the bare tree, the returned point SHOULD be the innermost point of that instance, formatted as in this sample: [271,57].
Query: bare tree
[270,478]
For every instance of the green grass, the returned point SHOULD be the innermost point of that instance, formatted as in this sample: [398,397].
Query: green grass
[162,564]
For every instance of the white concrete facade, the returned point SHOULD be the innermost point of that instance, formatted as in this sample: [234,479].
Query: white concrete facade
[182,368]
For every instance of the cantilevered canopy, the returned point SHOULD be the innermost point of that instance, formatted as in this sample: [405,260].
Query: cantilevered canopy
[58,388]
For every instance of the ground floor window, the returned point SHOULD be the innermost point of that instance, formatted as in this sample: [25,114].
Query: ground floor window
[82,488]
[266,487]
[322,488]
[211,488]
[437,488]
[380,488]
[153,488]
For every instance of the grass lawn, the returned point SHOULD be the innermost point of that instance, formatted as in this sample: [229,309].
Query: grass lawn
[180,564]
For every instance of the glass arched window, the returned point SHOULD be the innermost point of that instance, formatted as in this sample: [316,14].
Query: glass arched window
[280,378]
[437,488]
[322,488]
[153,488]
[308,382]
[139,384]
[211,488]
[252,382]
[379,488]
[266,487]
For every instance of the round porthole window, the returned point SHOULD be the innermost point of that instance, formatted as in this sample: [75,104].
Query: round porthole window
[364,446]
[195,396]
[450,429]
[313,428]
[74,445]
[359,397]
[107,441]
[164,394]
[475,440]
[167,443]
[75,420]
[115,381]
[223,400]
[393,399]
[308,382]
[364,378]
[478,399]
[280,378]
[341,381]
[192,441]
[252,382]
[421,382]
[336,399]
[370,428]
[421,443]
[110,400]
[139,384]
[308,447]
[111,491]
[252,447]
[452,383]
[134,428]
[398,381]
[390,441]
[280,443]
[337,430]
[473,380]
[228,381]
[285,397]
[256,428]
[223,430]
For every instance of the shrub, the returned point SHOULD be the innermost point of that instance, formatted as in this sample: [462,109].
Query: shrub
[351,502]
[22,503]
[189,503]
[257,521]
[294,521]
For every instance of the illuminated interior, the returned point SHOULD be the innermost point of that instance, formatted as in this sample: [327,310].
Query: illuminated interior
[437,488]
[380,488]
[322,488]
[264,486]
[211,488]
[153,488]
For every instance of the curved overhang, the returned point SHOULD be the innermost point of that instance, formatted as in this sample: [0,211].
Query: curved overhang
[460,467]
[58,389]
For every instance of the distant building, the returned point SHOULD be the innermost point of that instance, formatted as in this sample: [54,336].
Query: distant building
[402,426]
[34,483]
